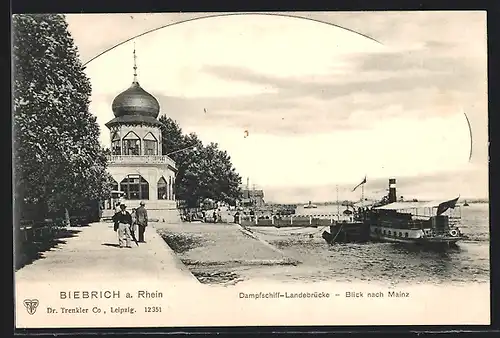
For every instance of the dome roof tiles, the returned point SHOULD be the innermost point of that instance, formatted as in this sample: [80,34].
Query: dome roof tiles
[135,101]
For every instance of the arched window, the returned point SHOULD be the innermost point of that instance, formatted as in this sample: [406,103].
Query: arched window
[162,189]
[150,145]
[131,144]
[135,187]
[114,185]
[116,148]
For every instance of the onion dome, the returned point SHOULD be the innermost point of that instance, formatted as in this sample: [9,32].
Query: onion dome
[135,101]
[135,105]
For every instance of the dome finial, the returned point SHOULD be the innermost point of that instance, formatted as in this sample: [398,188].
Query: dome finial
[135,100]
[135,66]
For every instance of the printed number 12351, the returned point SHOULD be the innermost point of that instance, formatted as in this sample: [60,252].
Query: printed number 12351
[152,309]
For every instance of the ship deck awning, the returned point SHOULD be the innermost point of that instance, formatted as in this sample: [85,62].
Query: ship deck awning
[364,204]
[410,205]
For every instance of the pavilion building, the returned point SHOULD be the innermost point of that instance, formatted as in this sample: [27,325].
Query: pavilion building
[137,165]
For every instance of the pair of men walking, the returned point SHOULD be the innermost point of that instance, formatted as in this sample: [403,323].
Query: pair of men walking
[124,224]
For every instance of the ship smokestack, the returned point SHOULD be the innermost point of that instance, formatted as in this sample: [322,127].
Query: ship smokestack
[392,190]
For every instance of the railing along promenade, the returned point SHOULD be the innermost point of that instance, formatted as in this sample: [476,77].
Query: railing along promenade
[35,230]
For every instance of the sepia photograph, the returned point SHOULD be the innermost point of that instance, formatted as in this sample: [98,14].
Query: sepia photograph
[250,169]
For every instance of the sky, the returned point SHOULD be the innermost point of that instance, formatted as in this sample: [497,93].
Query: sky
[326,98]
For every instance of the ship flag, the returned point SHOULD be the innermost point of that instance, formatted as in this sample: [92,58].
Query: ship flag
[442,207]
[362,182]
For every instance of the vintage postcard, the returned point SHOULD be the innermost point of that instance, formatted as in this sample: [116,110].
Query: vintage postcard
[251,169]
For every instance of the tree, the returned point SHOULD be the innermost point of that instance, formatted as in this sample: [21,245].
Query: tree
[223,182]
[203,171]
[59,164]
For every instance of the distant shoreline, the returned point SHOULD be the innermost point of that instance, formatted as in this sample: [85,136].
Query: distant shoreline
[469,201]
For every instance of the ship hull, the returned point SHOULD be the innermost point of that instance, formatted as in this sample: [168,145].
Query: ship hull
[421,241]
[413,236]
[354,232]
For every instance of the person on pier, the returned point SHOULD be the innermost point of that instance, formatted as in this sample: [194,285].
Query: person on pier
[237,217]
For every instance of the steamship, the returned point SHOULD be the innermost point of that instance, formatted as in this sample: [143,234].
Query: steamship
[413,222]
[310,206]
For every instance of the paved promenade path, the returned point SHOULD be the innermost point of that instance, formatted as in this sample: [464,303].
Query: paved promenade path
[92,254]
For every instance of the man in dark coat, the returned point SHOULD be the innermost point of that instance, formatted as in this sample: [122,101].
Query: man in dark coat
[123,221]
[142,221]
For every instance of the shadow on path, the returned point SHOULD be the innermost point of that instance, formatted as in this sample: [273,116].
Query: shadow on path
[80,225]
[32,249]
[114,245]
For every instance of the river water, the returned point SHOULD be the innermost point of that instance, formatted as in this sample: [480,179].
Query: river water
[388,263]
[385,262]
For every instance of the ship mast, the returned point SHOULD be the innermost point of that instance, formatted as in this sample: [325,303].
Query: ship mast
[338,205]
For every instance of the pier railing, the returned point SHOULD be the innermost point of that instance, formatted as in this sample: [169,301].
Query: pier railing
[141,159]
[298,220]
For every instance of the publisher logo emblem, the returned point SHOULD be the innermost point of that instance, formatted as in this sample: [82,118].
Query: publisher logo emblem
[31,305]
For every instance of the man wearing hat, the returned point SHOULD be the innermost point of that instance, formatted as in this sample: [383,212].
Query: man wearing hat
[124,221]
[141,215]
